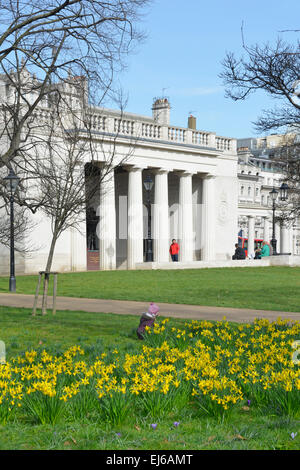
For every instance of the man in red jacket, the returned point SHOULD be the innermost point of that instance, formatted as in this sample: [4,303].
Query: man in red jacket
[174,250]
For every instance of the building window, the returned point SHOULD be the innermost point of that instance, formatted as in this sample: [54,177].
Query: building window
[242,190]
[249,191]
[262,200]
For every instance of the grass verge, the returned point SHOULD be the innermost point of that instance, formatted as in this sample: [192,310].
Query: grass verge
[95,333]
[270,288]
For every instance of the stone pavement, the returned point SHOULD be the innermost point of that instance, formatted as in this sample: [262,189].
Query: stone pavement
[125,307]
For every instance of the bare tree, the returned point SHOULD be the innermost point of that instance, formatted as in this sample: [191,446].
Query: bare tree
[287,160]
[43,40]
[46,47]
[273,70]
[22,226]
[65,163]
[58,59]
[64,186]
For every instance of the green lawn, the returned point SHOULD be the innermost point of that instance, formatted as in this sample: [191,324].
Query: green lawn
[270,288]
[97,333]
[21,331]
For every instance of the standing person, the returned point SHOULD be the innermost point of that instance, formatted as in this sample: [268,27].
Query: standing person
[174,250]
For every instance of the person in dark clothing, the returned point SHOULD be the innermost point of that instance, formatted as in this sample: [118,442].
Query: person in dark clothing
[257,253]
[239,252]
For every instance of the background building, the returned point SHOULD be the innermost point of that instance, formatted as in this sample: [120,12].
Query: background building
[257,175]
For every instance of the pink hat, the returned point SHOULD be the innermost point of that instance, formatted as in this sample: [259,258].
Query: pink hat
[153,308]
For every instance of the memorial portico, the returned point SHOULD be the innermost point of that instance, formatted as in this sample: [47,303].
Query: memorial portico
[193,198]
[203,193]
[132,227]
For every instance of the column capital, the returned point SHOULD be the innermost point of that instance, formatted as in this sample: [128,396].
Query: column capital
[160,171]
[110,167]
[130,168]
[184,173]
[208,176]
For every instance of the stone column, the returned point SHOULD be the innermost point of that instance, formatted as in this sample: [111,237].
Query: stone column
[78,258]
[208,219]
[278,237]
[292,240]
[107,223]
[284,239]
[251,235]
[135,218]
[161,217]
[186,217]
[266,229]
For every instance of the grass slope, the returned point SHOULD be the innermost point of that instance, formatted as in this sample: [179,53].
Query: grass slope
[270,288]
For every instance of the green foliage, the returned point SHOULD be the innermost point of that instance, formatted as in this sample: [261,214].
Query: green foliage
[115,407]
[83,406]
[156,404]
[43,409]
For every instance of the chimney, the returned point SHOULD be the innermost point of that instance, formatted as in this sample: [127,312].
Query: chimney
[192,122]
[161,111]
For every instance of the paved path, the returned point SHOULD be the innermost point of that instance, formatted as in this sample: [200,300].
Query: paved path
[126,307]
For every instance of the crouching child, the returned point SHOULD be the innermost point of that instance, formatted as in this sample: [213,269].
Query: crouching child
[147,319]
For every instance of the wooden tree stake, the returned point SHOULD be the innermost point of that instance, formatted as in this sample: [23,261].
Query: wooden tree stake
[46,276]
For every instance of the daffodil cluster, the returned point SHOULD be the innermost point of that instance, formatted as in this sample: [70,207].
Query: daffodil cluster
[213,365]
[229,364]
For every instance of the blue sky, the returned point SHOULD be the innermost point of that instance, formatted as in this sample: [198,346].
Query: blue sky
[181,58]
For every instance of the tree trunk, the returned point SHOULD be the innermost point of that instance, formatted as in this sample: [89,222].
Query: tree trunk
[47,273]
[51,252]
